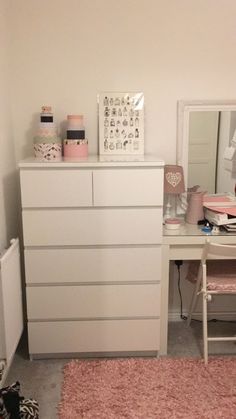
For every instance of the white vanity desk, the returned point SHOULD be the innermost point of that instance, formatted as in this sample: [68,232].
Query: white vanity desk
[183,244]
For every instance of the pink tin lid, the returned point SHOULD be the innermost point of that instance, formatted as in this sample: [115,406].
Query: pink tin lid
[172,221]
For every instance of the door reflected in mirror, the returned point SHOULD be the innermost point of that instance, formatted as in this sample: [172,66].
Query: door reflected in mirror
[210,132]
[203,149]
[205,129]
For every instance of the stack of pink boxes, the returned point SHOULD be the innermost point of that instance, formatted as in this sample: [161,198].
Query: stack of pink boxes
[47,144]
[75,145]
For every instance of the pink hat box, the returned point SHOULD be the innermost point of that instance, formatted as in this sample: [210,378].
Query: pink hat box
[75,148]
[48,151]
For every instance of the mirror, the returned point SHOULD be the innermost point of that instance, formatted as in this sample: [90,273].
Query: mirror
[205,129]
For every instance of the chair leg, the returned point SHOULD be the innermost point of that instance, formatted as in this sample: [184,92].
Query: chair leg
[204,324]
[193,301]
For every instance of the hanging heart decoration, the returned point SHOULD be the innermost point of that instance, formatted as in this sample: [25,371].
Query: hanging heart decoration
[173,178]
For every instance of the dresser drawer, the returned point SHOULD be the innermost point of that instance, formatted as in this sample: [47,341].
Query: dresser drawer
[92,265]
[56,188]
[93,336]
[94,301]
[92,226]
[128,187]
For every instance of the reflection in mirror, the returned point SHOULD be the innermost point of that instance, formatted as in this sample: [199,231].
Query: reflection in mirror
[209,134]
[203,149]
[205,130]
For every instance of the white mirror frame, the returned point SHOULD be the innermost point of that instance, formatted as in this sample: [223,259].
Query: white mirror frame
[184,109]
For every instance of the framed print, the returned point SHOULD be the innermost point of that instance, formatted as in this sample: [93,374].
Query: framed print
[121,123]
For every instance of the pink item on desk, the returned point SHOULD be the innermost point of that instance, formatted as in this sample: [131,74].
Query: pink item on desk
[215,199]
[222,204]
[172,223]
[224,210]
[195,207]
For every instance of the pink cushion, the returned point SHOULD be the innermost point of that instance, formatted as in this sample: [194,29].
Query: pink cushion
[221,275]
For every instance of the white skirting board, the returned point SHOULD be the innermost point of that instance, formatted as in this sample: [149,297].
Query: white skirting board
[11,313]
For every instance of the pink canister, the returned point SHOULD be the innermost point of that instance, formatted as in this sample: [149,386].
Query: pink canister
[195,211]
[75,145]
[75,148]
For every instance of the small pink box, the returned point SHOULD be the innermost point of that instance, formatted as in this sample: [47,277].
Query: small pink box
[75,150]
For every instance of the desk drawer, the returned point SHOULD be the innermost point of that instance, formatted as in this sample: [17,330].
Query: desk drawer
[128,187]
[116,264]
[56,188]
[93,336]
[94,301]
[92,226]
[186,252]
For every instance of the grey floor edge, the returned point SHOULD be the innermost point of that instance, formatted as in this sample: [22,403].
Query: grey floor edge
[42,379]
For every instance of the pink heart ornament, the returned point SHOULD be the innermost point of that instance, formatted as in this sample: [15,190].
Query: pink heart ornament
[173,178]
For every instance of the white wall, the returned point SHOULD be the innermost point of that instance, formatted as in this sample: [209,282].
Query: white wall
[8,173]
[63,52]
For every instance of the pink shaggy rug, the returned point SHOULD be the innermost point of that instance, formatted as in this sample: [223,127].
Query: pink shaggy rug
[139,388]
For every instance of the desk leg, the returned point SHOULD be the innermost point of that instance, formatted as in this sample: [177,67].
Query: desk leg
[164,300]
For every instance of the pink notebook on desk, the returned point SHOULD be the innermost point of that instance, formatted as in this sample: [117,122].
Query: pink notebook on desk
[223,204]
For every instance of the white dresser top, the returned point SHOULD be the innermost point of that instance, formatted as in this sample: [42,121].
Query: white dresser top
[147,160]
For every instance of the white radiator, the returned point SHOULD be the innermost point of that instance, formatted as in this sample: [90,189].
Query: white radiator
[11,313]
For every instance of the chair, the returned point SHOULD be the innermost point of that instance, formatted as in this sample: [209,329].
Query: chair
[212,277]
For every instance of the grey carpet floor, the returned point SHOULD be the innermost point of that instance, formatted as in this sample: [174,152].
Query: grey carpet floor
[41,379]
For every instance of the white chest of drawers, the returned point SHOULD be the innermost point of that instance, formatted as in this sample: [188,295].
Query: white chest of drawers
[92,236]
